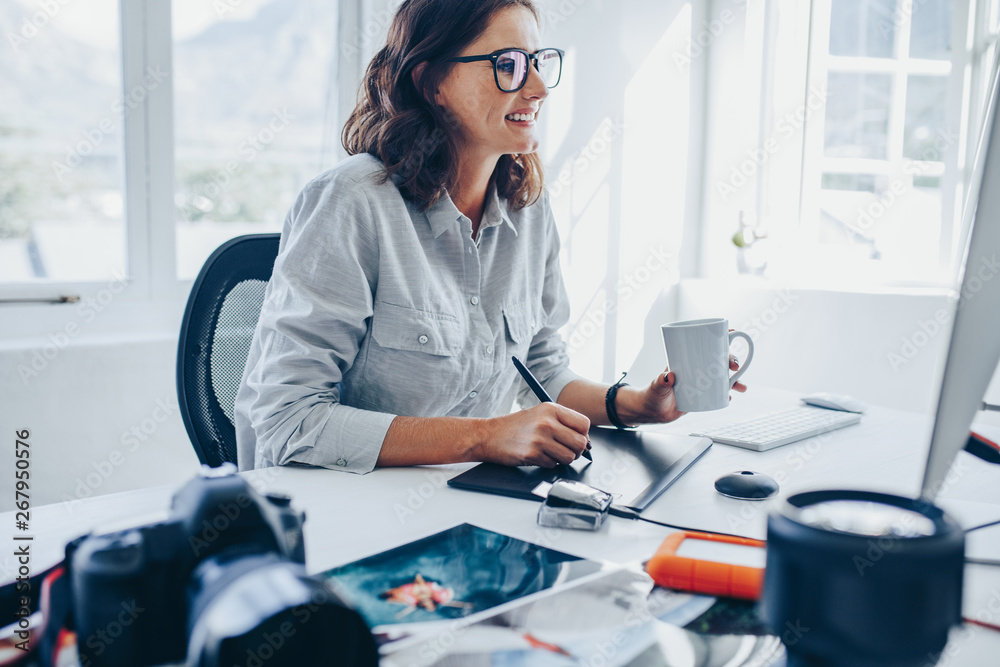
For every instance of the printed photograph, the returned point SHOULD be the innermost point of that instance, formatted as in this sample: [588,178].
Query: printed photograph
[452,574]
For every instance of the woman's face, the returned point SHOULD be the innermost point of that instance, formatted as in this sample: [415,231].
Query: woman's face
[484,112]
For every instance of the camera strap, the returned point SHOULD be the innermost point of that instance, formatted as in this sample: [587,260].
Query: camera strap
[982,447]
[48,592]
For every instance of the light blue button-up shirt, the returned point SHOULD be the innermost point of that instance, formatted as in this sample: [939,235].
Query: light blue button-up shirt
[376,309]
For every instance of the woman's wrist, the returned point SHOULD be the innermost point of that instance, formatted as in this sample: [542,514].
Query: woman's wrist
[479,434]
[435,440]
[629,404]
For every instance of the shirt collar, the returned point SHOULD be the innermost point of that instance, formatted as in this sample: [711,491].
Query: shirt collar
[495,212]
[443,214]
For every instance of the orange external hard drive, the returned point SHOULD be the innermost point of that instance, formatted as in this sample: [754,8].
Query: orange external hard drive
[710,564]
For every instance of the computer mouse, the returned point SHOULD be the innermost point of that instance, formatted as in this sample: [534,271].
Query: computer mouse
[840,402]
[746,485]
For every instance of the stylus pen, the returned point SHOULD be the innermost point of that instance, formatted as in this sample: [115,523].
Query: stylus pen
[540,393]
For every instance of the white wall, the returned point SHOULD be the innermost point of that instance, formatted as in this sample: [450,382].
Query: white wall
[102,414]
[886,349]
[622,149]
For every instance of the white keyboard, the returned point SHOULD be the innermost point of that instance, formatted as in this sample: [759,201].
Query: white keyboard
[780,428]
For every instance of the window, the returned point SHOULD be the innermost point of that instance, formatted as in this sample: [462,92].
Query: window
[986,29]
[61,123]
[137,137]
[867,111]
[883,158]
[255,116]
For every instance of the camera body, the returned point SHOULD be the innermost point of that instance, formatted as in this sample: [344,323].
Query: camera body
[147,595]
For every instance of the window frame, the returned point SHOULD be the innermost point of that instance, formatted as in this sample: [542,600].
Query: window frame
[134,58]
[982,41]
[899,66]
[776,198]
[154,296]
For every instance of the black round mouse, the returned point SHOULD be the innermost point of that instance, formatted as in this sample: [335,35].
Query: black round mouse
[746,485]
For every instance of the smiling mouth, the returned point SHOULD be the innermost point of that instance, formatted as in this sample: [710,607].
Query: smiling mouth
[520,117]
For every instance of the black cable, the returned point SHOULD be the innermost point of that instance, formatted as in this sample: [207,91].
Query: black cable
[628,513]
[985,525]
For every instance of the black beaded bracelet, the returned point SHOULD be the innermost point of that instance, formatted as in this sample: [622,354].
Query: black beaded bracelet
[609,404]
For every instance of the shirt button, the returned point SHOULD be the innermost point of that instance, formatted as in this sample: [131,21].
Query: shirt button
[423,339]
[474,301]
[489,349]
[341,462]
[473,394]
[470,249]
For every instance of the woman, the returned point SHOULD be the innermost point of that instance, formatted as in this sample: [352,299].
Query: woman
[410,273]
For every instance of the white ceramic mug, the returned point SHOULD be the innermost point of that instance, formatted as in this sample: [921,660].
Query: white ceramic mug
[698,355]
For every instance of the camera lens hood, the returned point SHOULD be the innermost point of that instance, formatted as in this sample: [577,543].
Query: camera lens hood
[862,579]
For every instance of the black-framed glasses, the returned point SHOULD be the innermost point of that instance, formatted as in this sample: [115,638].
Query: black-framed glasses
[510,67]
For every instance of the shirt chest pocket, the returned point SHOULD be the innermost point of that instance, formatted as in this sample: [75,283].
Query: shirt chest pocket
[522,324]
[407,329]
[413,364]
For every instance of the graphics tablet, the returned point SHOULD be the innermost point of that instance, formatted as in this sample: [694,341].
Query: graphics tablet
[634,466]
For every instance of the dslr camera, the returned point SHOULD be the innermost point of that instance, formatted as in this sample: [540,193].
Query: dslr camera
[221,582]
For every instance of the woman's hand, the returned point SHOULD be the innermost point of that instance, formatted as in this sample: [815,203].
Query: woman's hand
[656,403]
[545,435]
[734,365]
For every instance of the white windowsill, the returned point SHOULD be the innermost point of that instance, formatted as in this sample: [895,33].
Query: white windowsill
[28,326]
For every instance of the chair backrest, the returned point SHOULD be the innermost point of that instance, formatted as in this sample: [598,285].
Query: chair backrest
[218,326]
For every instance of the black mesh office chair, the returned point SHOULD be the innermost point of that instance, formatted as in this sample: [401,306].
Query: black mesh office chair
[218,325]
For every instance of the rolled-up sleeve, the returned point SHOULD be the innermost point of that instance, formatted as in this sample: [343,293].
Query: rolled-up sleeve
[548,359]
[317,311]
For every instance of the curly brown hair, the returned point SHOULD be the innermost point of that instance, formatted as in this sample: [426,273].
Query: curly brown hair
[398,122]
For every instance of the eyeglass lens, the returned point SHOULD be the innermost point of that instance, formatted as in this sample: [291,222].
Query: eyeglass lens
[512,68]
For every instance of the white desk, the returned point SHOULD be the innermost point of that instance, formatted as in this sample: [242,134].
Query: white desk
[351,516]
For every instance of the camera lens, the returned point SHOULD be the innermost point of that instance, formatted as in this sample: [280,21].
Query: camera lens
[252,610]
[862,579]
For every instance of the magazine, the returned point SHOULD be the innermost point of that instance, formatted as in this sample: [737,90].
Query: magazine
[613,620]
[470,596]
[458,575]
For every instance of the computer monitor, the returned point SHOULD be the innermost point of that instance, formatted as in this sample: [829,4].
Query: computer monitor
[974,350]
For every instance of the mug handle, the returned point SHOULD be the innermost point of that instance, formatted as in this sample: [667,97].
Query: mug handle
[746,364]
